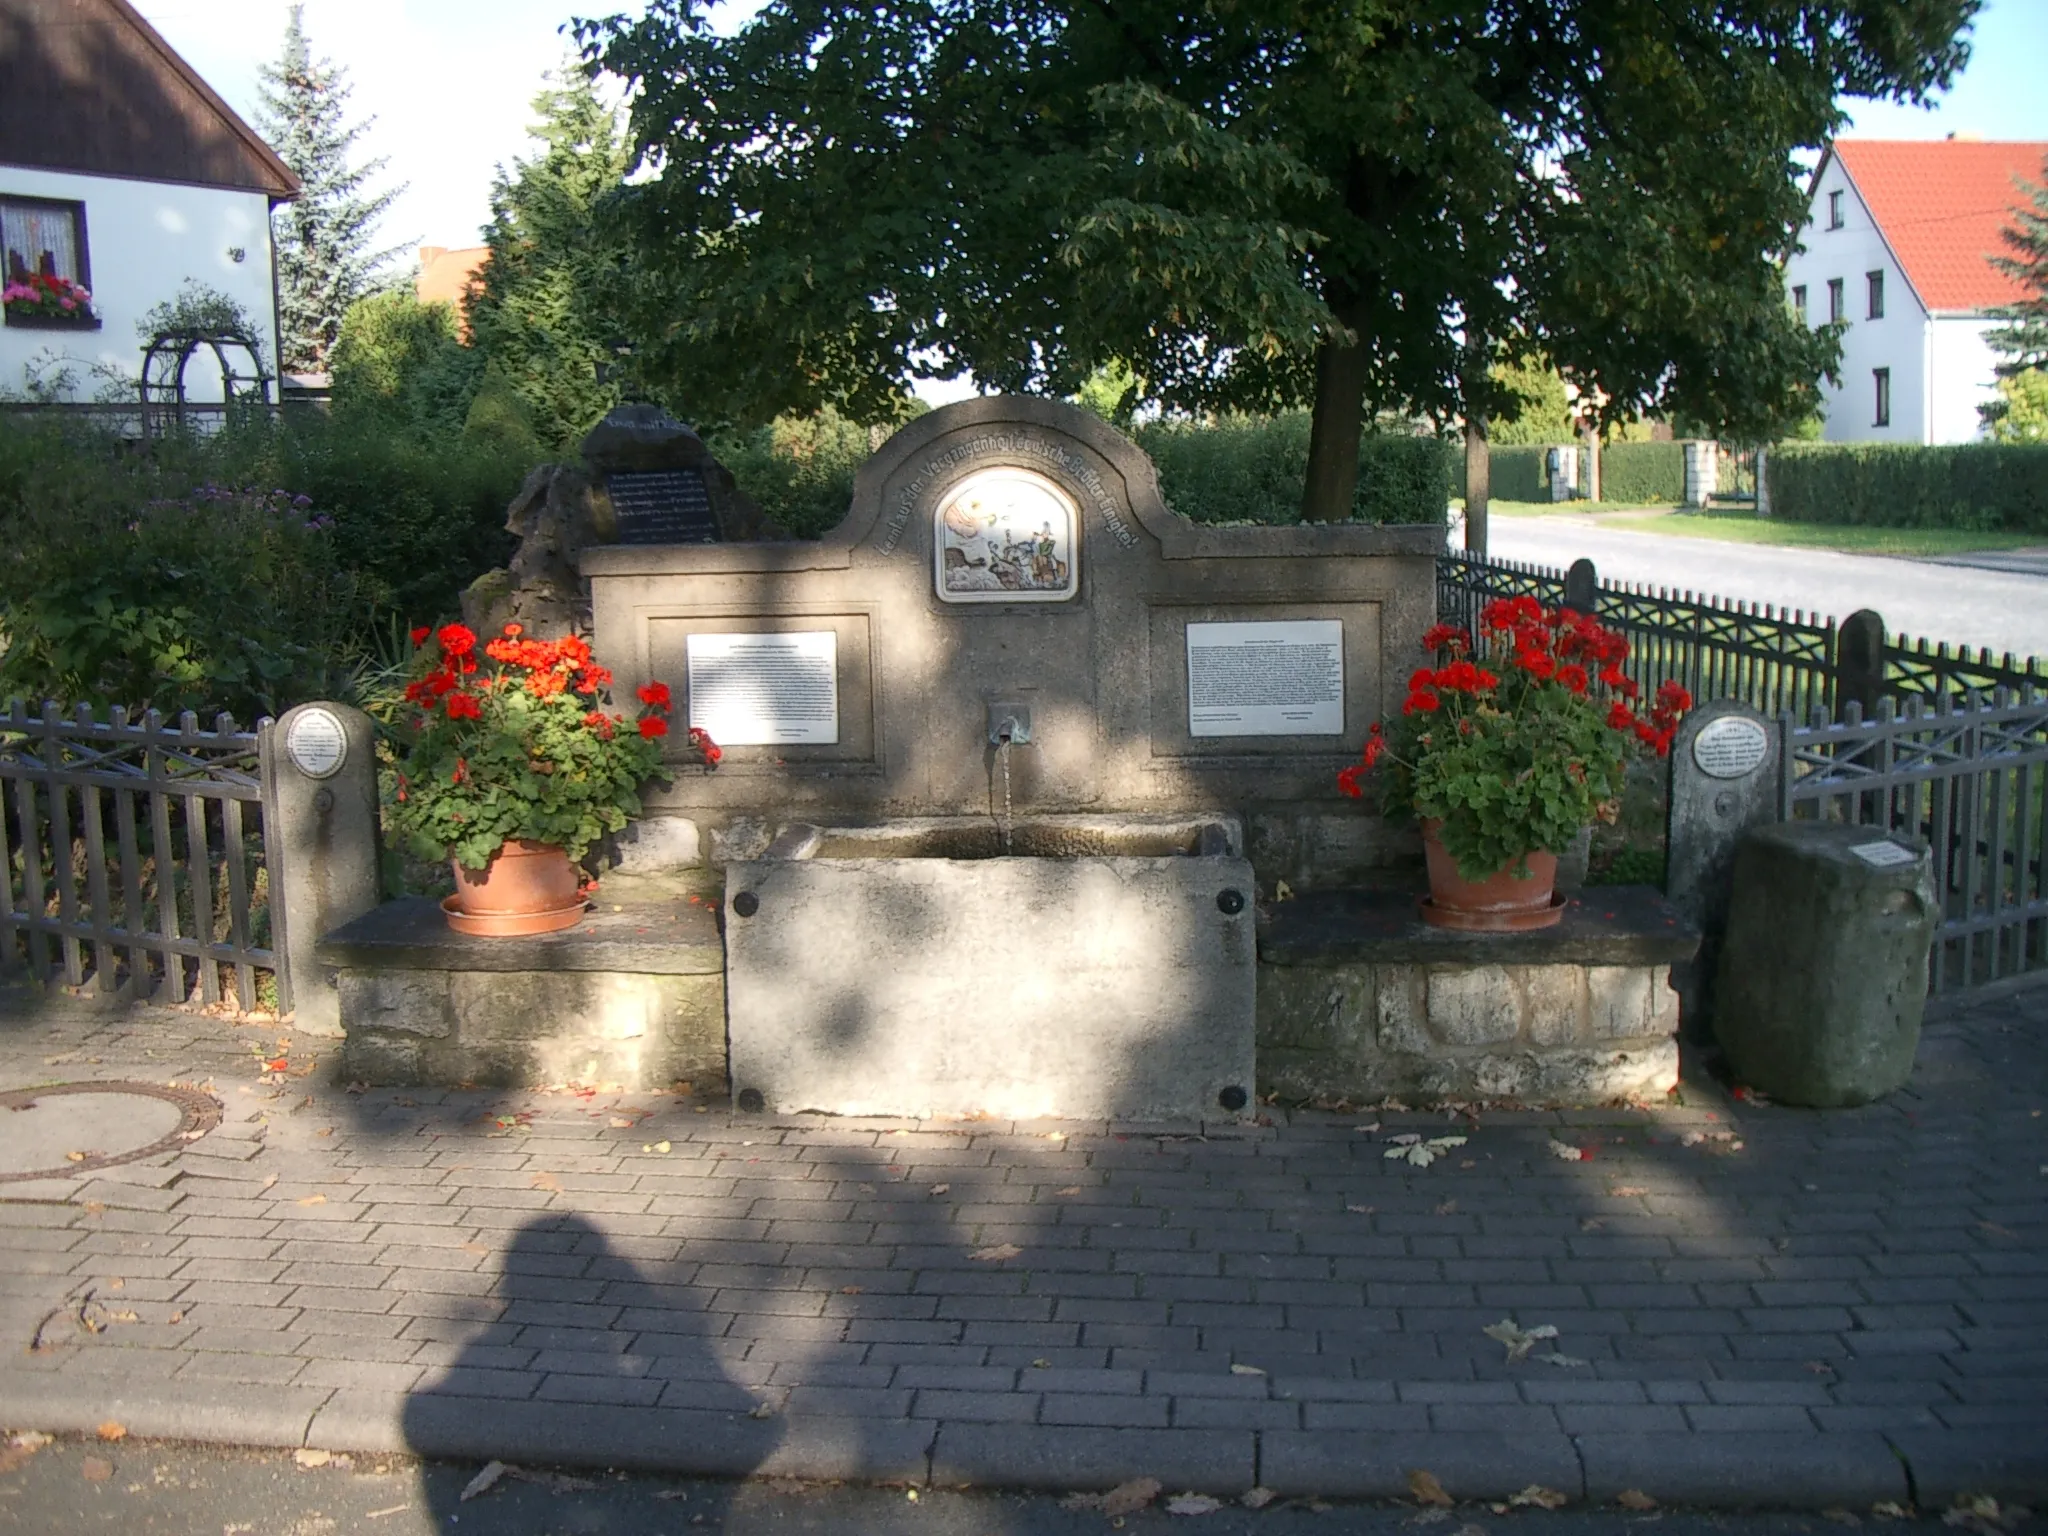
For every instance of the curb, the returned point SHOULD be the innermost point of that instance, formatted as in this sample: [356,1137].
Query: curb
[1931,1468]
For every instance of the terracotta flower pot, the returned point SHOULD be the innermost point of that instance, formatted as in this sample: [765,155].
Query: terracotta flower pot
[526,888]
[1501,903]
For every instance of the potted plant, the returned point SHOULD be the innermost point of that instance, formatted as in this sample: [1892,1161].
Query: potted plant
[39,297]
[1504,751]
[516,766]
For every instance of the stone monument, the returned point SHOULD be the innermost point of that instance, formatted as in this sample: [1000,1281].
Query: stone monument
[644,478]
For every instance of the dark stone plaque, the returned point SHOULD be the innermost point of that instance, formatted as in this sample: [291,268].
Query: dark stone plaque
[662,506]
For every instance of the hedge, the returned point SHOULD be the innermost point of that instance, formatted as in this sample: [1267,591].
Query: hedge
[1992,487]
[1642,473]
[1251,469]
[1517,474]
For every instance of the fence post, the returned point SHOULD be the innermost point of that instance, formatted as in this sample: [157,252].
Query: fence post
[321,839]
[1859,662]
[1724,780]
[1582,588]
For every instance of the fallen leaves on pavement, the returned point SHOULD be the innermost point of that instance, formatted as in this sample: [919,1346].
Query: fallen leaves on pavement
[1518,1340]
[112,1430]
[1192,1504]
[1539,1497]
[1427,1490]
[1634,1498]
[1413,1149]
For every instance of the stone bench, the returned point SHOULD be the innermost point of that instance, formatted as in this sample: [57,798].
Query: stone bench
[1359,999]
[633,996]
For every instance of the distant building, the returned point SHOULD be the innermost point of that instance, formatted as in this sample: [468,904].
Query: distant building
[445,275]
[1897,244]
[122,172]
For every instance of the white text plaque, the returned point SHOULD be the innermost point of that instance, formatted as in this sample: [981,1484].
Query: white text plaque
[1732,747]
[1275,678]
[764,690]
[317,744]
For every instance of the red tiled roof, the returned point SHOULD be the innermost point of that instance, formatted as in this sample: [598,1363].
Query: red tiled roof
[445,275]
[1941,204]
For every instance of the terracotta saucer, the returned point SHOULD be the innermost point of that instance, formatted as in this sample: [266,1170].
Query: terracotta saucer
[512,925]
[1495,922]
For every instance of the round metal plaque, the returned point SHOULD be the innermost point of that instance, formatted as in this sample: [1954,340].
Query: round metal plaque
[1730,748]
[317,743]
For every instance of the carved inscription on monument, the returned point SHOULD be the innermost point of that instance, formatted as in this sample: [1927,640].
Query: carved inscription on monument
[662,506]
[1275,678]
[761,690]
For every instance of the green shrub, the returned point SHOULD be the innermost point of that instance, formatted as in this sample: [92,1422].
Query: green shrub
[1993,487]
[800,469]
[1517,474]
[117,588]
[1642,472]
[1251,469]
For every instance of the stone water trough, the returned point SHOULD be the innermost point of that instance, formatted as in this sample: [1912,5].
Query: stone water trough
[1100,967]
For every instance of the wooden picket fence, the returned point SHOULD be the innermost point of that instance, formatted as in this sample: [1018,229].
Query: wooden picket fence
[138,856]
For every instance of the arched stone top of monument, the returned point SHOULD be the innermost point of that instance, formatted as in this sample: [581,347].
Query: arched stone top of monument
[902,494]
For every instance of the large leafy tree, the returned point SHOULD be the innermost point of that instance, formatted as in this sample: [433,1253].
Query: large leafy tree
[327,255]
[545,309]
[2021,411]
[1358,204]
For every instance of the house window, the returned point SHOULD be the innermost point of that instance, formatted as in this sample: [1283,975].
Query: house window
[1875,282]
[1835,305]
[46,237]
[1881,383]
[1799,301]
[1834,210]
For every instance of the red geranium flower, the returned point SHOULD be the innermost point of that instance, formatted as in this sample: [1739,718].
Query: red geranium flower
[653,726]
[457,639]
[654,695]
[464,706]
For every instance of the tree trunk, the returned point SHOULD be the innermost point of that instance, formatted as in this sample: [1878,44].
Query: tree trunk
[1333,434]
[1592,463]
[1477,471]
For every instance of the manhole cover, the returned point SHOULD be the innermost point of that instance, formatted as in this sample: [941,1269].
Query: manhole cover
[72,1128]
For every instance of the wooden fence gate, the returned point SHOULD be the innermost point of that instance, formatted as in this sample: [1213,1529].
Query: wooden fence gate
[139,857]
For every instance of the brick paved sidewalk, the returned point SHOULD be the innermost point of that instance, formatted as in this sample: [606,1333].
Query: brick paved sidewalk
[1752,1304]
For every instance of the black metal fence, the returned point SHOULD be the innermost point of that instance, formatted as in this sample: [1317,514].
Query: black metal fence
[1774,659]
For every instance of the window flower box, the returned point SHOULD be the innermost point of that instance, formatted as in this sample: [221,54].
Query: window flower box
[41,301]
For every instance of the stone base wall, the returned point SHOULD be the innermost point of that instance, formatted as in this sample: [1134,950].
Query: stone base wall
[506,1029]
[1555,1033]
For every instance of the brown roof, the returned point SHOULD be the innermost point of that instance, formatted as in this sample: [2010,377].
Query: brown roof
[445,274]
[88,85]
[1942,205]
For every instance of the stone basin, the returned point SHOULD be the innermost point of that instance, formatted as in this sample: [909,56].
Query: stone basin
[1104,968]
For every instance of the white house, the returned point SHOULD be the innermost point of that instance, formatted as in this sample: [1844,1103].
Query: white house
[122,171]
[1896,244]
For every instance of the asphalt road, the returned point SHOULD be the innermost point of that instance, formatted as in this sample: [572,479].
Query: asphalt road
[73,1487]
[2006,610]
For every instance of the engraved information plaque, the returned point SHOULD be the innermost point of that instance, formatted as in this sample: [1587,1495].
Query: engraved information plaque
[1276,678]
[662,506]
[1730,748]
[764,690]
[1884,855]
[316,744]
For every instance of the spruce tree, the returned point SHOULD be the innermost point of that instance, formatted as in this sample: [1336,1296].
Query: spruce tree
[544,310]
[2021,411]
[326,258]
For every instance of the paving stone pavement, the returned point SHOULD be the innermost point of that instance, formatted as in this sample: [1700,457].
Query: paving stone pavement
[1752,1304]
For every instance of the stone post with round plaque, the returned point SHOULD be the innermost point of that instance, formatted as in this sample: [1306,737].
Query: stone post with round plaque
[1724,780]
[321,784]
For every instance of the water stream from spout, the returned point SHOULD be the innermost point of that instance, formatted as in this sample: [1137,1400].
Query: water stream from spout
[1003,756]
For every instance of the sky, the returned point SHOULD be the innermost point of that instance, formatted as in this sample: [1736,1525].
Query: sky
[450,85]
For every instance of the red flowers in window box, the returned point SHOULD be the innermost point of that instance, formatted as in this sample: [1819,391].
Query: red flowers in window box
[41,296]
